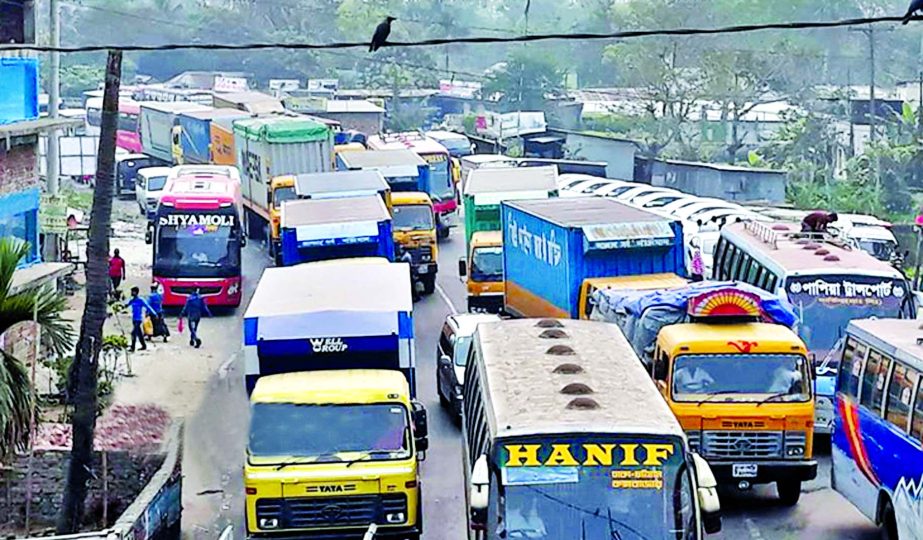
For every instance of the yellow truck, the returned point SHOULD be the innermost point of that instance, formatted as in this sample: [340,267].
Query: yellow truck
[414,223]
[734,374]
[484,275]
[332,453]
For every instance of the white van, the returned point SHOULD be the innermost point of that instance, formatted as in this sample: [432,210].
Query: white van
[148,188]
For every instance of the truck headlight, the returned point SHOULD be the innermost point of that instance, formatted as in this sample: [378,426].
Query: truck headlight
[269,523]
[795,444]
[396,517]
[695,440]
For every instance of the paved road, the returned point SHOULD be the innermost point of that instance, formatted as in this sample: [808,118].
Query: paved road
[216,438]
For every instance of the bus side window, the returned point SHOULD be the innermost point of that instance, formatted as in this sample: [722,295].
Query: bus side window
[756,270]
[734,274]
[720,252]
[726,261]
[916,428]
[873,382]
[771,283]
[851,368]
[900,392]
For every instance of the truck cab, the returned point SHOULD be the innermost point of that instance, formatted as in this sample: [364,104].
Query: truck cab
[484,275]
[331,453]
[414,224]
[281,189]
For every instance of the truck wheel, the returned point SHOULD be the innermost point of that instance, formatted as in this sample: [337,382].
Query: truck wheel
[429,284]
[443,233]
[888,523]
[789,491]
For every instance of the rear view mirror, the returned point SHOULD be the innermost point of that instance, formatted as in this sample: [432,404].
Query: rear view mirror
[462,268]
[479,494]
[707,495]
[420,427]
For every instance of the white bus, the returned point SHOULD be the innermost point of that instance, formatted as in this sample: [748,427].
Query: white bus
[827,281]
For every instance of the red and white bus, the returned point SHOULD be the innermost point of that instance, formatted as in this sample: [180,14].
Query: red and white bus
[128,134]
[197,236]
[441,187]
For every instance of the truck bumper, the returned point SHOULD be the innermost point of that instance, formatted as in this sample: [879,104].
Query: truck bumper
[428,269]
[766,471]
[491,303]
[399,533]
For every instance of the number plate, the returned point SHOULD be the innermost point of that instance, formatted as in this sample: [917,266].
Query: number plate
[423,270]
[745,470]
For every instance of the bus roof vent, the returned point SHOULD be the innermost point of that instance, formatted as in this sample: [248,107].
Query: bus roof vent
[576,389]
[812,246]
[560,350]
[553,333]
[549,323]
[831,258]
[780,227]
[583,404]
[568,369]
[801,242]
[822,251]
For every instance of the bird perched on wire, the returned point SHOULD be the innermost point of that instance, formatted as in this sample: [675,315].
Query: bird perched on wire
[915,6]
[381,34]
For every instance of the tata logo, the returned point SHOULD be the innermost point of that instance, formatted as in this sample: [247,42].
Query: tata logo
[328,345]
[742,424]
[331,489]
[202,220]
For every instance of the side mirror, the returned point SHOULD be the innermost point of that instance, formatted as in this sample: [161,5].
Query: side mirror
[149,235]
[243,240]
[660,370]
[479,494]
[462,267]
[420,427]
[709,503]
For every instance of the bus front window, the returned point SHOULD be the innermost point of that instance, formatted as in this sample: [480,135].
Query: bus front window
[613,501]
[442,186]
[197,251]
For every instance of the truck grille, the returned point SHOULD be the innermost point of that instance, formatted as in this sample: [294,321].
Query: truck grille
[422,255]
[742,444]
[306,513]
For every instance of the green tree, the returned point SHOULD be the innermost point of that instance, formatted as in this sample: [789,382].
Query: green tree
[45,306]
[524,80]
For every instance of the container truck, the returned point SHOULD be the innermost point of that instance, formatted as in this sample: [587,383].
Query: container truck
[485,190]
[342,184]
[343,314]
[221,131]
[195,139]
[159,128]
[268,147]
[324,229]
[553,250]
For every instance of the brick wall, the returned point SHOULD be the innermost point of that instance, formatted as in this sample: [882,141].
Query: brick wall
[128,474]
[18,169]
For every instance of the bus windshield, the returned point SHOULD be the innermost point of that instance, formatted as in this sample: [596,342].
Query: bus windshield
[442,187]
[194,245]
[487,264]
[330,433]
[413,217]
[825,304]
[608,495]
[741,378]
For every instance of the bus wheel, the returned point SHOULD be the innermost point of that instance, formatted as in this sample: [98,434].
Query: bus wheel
[888,523]
[789,491]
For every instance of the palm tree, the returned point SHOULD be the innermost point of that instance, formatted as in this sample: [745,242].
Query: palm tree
[45,306]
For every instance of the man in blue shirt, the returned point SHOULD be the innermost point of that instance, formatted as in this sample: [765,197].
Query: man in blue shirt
[194,309]
[155,299]
[137,305]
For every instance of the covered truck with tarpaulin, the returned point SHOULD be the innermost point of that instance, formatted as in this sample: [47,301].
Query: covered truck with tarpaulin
[344,314]
[553,248]
[325,229]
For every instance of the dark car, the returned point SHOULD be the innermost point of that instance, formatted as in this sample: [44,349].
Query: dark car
[452,355]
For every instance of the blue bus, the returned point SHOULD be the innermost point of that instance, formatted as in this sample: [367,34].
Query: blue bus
[877,443]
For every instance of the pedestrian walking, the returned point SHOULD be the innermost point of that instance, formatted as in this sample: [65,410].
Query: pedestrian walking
[155,299]
[116,271]
[138,305]
[194,309]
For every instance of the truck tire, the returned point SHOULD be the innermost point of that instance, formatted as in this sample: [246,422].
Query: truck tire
[789,491]
[888,522]
[429,284]
[443,233]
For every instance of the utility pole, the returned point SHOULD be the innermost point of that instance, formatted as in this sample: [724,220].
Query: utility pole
[873,110]
[54,97]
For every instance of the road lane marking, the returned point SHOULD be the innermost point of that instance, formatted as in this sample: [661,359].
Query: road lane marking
[754,531]
[446,299]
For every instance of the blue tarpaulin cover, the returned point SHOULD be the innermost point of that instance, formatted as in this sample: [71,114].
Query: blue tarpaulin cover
[18,89]
[636,302]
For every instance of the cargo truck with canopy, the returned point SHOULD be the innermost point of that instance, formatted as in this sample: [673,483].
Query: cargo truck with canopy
[324,229]
[338,185]
[273,146]
[343,314]
[554,250]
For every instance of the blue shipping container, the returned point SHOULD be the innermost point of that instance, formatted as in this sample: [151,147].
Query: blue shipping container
[18,89]
[551,246]
[195,137]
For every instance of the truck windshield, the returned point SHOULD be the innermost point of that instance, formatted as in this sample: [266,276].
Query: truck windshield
[156,183]
[196,247]
[487,264]
[741,377]
[330,433]
[282,194]
[413,217]
[611,499]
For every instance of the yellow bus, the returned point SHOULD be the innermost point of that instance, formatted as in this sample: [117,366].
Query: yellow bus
[566,437]
[333,452]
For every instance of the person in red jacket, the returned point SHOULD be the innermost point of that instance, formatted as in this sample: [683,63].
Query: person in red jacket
[116,270]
